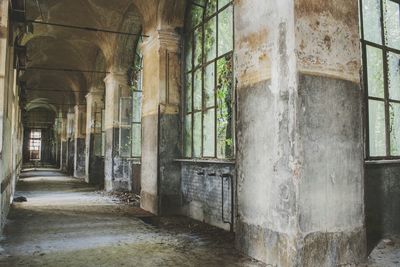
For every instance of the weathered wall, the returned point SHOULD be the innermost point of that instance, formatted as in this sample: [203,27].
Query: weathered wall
[382,201]
[300,156]
[11,132]
[202,197]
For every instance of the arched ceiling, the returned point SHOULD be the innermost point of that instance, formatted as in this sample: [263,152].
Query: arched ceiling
[64,63]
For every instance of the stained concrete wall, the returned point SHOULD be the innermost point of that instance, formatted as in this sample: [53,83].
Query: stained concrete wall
[382,201]
[300,156]
[11,131]
[207,193]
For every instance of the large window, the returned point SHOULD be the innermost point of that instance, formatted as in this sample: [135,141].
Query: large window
[208,108]
[380,30]
[35,144]
[130,114]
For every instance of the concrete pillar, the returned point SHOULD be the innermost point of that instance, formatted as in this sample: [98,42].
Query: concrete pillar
[64,142]
[79,141]
[160,177]
[117,171]
[94,167]
[300,157]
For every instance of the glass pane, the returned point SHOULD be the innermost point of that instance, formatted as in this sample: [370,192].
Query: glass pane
[394,114]
[209,84]
[198,41]
[209,133]
[125,142]
[125,111]
[210,45]
[136,106]
[188,136]
[377,134]
[225,31]
[222,3]
[103,143]
[197,90]
[224,111]
[97,144]
[103,120]
[188,95]
[97,122]
[372,21]
[136,140]
[196,15]
[197,134]
[211,7]
[375,72]
[394,75]
[188,52]
[392,24]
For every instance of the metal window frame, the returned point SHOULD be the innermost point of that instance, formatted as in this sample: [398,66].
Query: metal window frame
[386,99]
[202,67]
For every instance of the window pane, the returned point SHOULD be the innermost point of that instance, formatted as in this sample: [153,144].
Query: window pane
[392,23]
[209,84]
[125,142]
[197,90]
[372,21]
[125,111]
[224,111]
[97,144]
[210,45]
[211,7]
[197,134]
[188,95]
[209,133]
[377,134]
[375,72]
[225,31]
[394,114]
[188,136]
[136,106]
[188,52]
[198,41]
[136,140]
[394,75]
[196,15]
[222,3]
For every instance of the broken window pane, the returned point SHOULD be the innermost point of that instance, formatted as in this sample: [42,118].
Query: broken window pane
[197,134]
[196,15]
[210,39]
[394,75]
[375,72]
[209,133]
[392,23]
[224,111]
[372,21]
[377,133]
[225,31]
[188,136]
[209,84]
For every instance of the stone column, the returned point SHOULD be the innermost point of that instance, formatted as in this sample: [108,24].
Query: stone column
[160,178]
[117,170]
[70,142]
[64,142]
[80,133]
[299,132]
[93,167]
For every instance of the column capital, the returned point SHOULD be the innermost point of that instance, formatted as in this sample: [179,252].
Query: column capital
[120,78]
[163,39]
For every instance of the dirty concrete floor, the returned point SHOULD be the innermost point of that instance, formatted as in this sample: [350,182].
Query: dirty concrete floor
[68,223]
[386,253]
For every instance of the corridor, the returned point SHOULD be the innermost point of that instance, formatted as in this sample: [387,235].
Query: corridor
[66,222]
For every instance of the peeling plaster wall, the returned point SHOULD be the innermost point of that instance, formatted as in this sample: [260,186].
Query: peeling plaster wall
[299,133]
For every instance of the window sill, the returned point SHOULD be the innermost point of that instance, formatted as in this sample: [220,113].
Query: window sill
[382,161]
[211,161]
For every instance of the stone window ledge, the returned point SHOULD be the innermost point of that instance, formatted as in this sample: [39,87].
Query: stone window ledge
[211,161]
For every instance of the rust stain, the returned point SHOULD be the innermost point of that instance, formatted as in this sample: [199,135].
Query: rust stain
[341,10]
[256,39]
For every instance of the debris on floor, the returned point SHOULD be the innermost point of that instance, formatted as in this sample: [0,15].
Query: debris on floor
[122,197]
[20,199]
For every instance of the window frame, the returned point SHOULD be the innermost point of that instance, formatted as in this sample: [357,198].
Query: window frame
[385,49]
[202,66]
